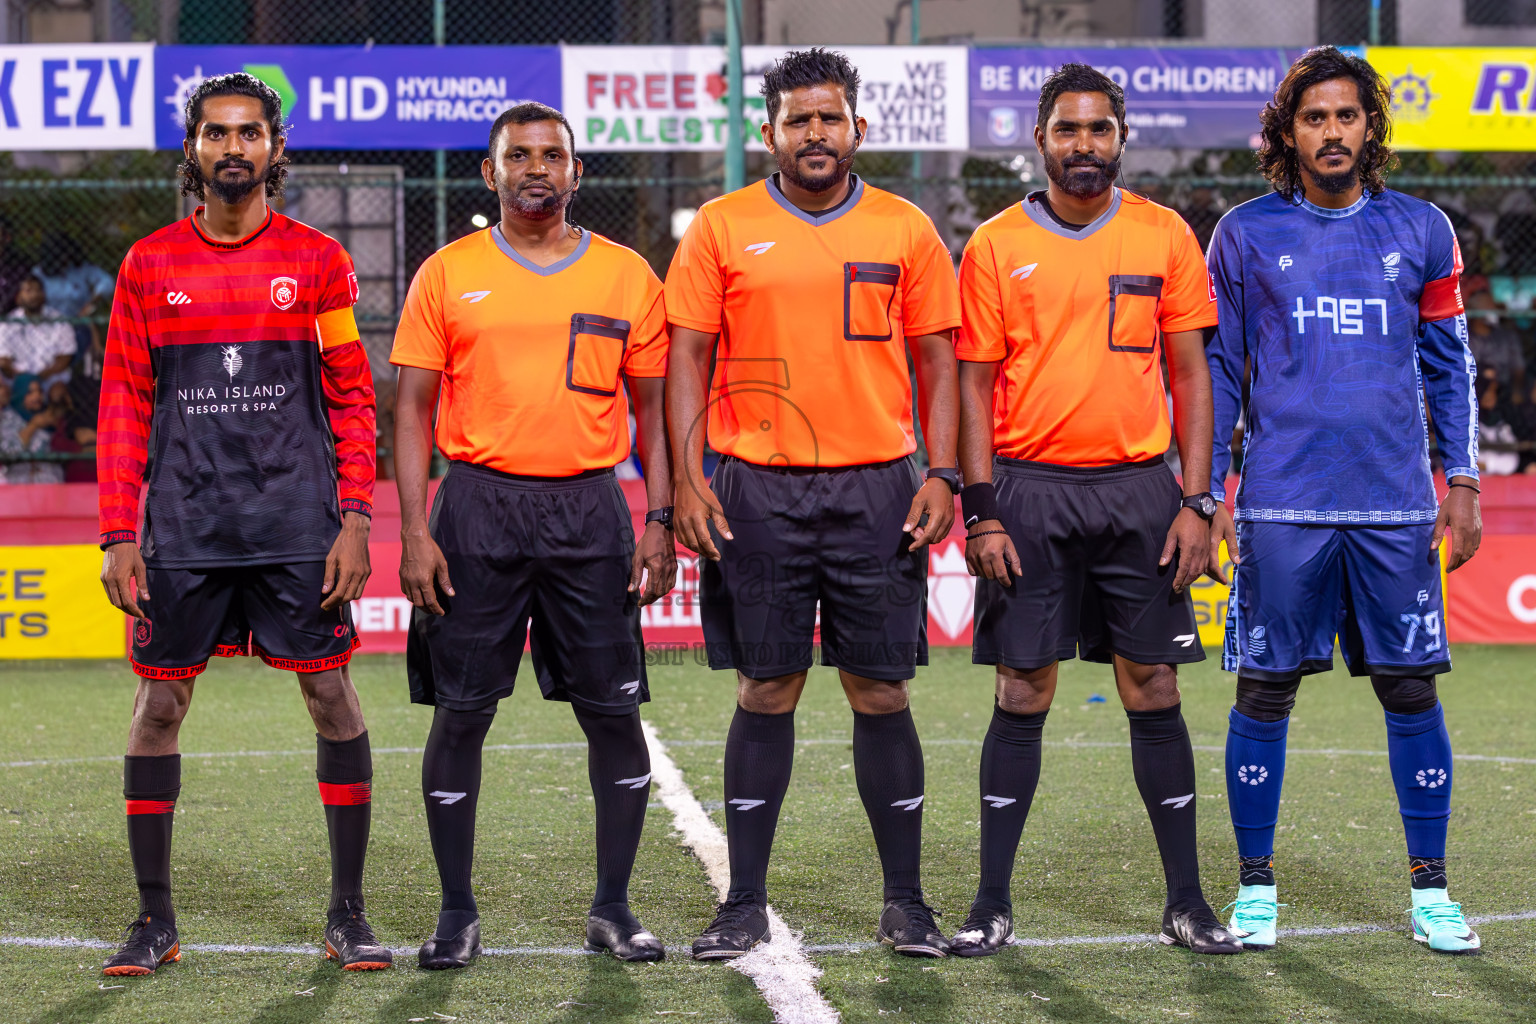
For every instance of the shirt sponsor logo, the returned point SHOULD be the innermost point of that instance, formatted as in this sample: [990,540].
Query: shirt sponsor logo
[232,361]
[285,292]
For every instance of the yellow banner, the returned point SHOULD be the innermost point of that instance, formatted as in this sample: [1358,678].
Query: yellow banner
[1210,600]
[1463,98]
[52,604]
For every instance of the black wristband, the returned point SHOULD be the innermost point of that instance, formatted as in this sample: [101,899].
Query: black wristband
[983,533]
[1474,489]
[978,503]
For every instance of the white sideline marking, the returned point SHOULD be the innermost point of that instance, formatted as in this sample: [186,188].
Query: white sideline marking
[779,967]
[821,948]
[505,747]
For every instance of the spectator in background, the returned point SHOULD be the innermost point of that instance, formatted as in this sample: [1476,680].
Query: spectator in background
[26,427]
[12,268]
[33,340]
[1522,422]
[1496,344]
[1494,431]
[75,287]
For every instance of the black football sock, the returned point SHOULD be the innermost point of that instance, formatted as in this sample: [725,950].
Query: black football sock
[150,788]
[1256,870]
[345,771]
[619,767]
[450,784]
[1427,873]
[1164,765]
[1010,771]
[759,756]
[888,764]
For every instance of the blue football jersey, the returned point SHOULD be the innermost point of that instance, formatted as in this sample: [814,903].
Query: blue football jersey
[1349,319]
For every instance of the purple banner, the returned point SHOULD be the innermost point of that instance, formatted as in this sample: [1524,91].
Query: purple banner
[1190,98]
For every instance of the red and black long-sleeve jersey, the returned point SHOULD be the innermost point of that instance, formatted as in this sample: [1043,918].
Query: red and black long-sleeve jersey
[235,386]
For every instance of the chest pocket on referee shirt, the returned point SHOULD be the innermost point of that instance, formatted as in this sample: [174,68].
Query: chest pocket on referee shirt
[596,353]
[868,291]
[1133,302]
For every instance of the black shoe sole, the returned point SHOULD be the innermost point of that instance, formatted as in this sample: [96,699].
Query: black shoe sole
[724,954]
[1169,940]
[647,957]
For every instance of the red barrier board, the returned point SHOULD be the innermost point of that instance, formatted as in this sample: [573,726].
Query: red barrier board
[1493,597]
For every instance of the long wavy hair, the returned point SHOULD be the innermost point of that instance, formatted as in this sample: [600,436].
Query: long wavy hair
[236,83]
[1279,161]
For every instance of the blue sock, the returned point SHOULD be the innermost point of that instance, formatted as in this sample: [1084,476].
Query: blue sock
[1255,771]
[1419,752]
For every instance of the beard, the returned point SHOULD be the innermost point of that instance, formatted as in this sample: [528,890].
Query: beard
[789,167]
[517,202]
[1338,182]
[233,192]
[1081,185]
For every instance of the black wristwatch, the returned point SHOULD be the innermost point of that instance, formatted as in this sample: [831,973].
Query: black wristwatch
[661,515]
[1205,505]
[949,476]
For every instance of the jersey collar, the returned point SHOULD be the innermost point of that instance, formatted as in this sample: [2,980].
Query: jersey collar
[527,264]
[1327,214]
[227,246]
[1037,213]
[855,193]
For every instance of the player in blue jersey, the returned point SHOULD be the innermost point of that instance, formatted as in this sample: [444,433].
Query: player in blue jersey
[1340,302]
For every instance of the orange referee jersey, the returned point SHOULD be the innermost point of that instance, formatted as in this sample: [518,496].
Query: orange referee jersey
[813,314]
[533,358]
[1075,318]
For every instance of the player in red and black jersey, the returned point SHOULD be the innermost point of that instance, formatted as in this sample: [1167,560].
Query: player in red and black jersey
[235,386]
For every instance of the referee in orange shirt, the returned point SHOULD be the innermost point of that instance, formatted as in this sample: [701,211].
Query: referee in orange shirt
[810,289]
[1074,521]
[524,336]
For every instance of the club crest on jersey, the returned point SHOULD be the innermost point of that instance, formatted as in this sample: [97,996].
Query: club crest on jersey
[285,292]
[141,633]
[232,361]
[1391,264]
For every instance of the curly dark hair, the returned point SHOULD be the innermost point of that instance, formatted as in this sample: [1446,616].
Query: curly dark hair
[235,84]
[802,69]
[1279,161]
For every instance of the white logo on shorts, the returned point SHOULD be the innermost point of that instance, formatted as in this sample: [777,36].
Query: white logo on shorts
[633,687]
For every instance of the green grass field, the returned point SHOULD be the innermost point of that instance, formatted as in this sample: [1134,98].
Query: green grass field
[251,869]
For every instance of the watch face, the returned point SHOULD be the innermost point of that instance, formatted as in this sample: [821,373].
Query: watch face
[1207,506]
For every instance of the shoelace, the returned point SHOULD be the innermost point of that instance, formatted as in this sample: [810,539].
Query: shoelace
[138,934]
[1445,914]
[732,913]
[919,913]
[979,920]
[355,930]
[1253,908]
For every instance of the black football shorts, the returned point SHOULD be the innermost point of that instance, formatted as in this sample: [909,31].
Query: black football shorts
[269,611]
[1089,540]
[553,551]
[803,536]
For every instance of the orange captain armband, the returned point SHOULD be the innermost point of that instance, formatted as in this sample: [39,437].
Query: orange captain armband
[336,327]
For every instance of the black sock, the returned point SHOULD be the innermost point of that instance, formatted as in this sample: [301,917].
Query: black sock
[1256,871]
[888,764]
[345,771]
[150,787]
[1010,771]
[759,755]
[450,784]
[619,767]
[1427,873]
[1164,765]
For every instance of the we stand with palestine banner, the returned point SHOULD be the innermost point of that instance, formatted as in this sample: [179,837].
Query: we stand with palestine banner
[673,98]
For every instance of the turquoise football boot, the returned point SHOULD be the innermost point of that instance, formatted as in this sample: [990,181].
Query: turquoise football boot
[1253,920]
[1438,923]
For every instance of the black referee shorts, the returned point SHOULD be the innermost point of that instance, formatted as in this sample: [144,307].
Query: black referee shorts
[270,611]
[556,551]
[1088,540]
[805,536]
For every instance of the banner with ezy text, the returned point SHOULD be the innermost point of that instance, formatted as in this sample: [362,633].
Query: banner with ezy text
[77,96]
[673,98]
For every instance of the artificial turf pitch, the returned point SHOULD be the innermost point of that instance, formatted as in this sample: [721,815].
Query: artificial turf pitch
[251,868]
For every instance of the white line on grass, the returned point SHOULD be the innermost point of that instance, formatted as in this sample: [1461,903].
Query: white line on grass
[505,747]
[779,968]
[823,948]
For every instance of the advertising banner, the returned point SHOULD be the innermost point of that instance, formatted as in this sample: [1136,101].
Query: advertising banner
[359,97]
[77,96]
[671,98]
[1189,98]
[52,605]
[1467,98]
[1492,598]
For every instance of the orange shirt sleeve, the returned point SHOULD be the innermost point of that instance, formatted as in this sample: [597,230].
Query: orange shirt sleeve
[421,340]
[646,355]
[1189,300]
[695,289]
[930,297]
[982,336]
